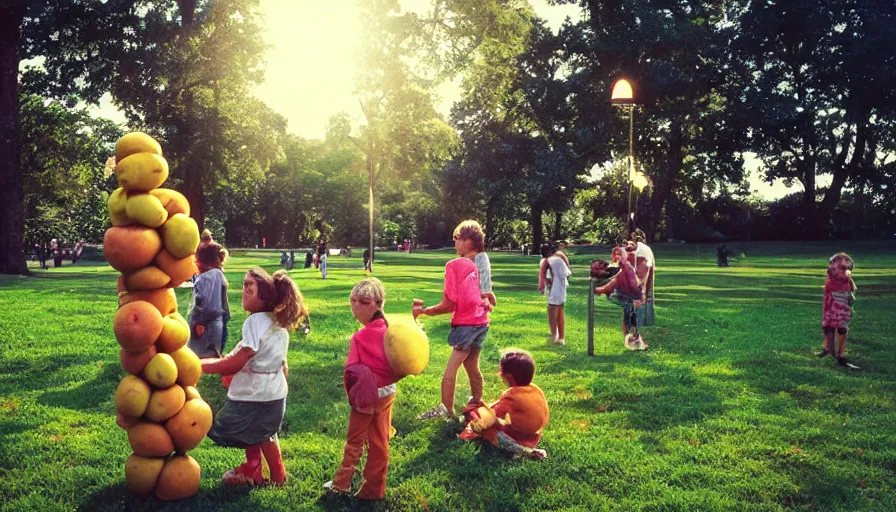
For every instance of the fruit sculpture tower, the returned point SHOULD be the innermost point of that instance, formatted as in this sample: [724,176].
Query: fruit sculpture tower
[151,242]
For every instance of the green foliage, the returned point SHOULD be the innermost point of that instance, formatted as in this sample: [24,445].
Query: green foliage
[64,151]
[728,409]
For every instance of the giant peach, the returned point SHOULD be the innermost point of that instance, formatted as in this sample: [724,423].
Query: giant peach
[190,424]
[180,235]
[141,473]
[189,369]
[141,172]
[137,325]
[165,403]
[179,478]
[175,333]
[132,396]
[130,248]
[160,371]
[136,142]
[146,209]
[150,440]
[179,270]
[147,278]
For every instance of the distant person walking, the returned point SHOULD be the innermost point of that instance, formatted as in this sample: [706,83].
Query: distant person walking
[322,253]
[209,306]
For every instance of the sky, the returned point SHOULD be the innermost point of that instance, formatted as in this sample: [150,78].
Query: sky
[311,67]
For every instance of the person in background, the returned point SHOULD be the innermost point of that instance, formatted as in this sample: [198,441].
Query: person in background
[209,307]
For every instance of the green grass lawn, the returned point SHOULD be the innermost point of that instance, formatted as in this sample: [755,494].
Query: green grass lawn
[728,410]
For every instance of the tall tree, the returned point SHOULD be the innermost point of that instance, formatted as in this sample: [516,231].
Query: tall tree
[816,84]
[12,194]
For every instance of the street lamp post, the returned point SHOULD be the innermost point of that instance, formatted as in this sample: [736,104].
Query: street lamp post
[622,95]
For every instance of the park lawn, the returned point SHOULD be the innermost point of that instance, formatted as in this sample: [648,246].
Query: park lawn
[728,410]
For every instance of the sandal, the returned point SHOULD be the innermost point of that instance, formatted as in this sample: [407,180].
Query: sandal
[331,489]
[243,474]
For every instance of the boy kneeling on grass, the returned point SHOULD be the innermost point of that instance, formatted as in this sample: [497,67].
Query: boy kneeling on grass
[514,422]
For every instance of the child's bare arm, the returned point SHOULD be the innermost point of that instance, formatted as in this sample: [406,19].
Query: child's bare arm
[229,364]
[446,306]
[490,297]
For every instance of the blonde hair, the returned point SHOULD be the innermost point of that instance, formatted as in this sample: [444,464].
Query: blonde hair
[471,230]
[373,289]
[281,297]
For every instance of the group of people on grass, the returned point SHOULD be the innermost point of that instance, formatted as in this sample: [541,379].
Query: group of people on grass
[256,369]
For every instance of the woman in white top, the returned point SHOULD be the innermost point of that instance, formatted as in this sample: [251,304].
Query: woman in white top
[256,398]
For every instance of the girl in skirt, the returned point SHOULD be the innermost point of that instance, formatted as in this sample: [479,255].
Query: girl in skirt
[256,398]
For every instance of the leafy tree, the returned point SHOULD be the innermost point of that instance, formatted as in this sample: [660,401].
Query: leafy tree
[63,153]
[815,81]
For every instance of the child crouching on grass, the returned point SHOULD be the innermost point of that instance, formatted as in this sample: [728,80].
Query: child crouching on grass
[256,398]
[839,296]
[370,385]
[514,422]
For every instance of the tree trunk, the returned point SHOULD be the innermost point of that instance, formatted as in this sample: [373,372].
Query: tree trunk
[537,228]
[844,170]
[558,225]
[667,183]
[489,221]
[12,193]
[195,194]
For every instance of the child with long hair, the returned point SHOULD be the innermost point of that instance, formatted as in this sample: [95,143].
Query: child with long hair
[839,290]
[370,385]
[256,398]
[461,296]
[557,283]
[209,309]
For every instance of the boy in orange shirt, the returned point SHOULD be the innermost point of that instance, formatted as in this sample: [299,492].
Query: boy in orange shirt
[515,421]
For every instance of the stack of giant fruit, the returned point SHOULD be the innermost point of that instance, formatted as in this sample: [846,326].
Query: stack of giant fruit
[152,242]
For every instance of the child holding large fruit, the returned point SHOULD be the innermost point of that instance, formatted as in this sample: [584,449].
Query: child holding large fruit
[256,398]
[370,385]
[209,309]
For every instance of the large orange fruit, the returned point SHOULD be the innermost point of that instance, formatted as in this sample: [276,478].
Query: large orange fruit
[189,426]
[179,478]
[130,248]
[137,325]
[150,440]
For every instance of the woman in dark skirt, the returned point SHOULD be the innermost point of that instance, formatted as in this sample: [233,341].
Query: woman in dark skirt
[257,371]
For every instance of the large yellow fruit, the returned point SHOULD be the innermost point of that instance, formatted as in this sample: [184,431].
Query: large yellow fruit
[180,235]
[132,396]
[179,270]
[190,425]
[141,172]
[161,371]
[146,209]
[179,478]
[135,362]
[172,200]
[136,142]
[192,393]
[175,333]
[164,299]
[165,403]
[407,347]
[130,248]
[189,369]
[150,440]
[118,208]
[147,278]
[141,473]
[137,325]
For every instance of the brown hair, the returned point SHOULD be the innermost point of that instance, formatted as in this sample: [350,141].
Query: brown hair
[843,256]
[281,297]
[519,364]
[211,255]
[471,230]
